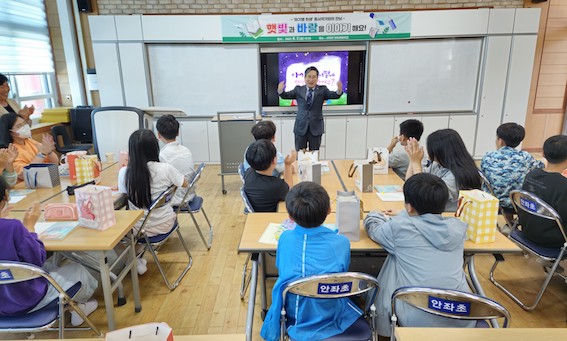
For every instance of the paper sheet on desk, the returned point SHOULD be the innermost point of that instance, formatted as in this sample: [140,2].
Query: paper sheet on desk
[390,196]
[15,199]
[55,230]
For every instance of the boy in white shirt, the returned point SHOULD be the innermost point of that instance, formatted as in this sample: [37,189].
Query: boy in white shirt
[175,154]
[398,159]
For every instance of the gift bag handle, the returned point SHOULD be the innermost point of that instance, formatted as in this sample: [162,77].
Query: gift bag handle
[29,181]
[351,170]
[461,206]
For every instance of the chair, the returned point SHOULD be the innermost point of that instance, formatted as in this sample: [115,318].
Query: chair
[241,172]
[246,274]
[151,244]
[68,146]
[531,204]
[44,318]
[451,304]
[196,205]
[312,287]
[486,183]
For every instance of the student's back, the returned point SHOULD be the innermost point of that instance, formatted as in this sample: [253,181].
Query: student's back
[507,167]
[549,185]
[424,249]
[309,249]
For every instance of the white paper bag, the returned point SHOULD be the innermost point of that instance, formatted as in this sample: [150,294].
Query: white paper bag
[305,155]
[348,215]
[41,175]
[309,171]
[143,332]
[362,172]
[378,156]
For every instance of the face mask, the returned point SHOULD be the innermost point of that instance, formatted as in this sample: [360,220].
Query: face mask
[24,132]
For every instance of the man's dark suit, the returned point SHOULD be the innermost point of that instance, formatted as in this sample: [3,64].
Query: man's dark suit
[309,119]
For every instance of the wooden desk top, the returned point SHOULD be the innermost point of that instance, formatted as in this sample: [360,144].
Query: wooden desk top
[109,177]
[218,337]
[85,239]
[370,201]
[475,334]
[256,223]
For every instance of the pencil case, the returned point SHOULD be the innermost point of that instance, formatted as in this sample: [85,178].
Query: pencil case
[60,212]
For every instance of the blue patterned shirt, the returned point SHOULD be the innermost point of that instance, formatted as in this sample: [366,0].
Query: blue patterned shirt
[506,169]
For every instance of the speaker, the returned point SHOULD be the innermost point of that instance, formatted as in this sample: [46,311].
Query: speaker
[81,124]
[84,6]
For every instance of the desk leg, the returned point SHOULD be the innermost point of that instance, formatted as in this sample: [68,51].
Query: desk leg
[106,289]
[134,274]
[252,297]
[476,284]
[263,295]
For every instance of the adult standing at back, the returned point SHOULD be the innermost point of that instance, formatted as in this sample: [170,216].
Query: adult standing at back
[309,125]
[8,105]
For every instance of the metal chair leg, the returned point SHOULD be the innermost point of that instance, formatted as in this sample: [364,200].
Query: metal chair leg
[246,277]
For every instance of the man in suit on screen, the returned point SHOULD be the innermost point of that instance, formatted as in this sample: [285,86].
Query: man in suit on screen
[309,125]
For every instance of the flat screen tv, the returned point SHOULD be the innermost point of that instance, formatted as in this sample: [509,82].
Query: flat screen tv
[334,64]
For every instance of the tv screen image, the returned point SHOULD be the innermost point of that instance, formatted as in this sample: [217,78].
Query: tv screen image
[332,66]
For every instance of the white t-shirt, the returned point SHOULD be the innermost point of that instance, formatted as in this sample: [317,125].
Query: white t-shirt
[181,158]
[163,175]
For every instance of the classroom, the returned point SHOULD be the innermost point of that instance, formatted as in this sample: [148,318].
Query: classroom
[396,119]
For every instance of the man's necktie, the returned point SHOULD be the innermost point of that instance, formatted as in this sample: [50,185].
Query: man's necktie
[309,97]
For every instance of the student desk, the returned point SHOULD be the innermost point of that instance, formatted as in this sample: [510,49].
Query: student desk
[256,223]
[211,337]
[475,334]
[84,239]
[370,201]
[109,177]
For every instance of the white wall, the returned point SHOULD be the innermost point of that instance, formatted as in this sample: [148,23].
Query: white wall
[509,49]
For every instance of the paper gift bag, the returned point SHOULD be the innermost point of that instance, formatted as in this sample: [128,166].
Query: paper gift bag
[123,158]
[143,332]
[306,155]
[309,171]
[41,175]
[96,207]
[362,172]
[348,215]
[69,160]
[378,156]
[88,168]
[480,211]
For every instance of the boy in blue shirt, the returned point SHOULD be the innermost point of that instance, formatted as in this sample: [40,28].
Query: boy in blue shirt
[309,249]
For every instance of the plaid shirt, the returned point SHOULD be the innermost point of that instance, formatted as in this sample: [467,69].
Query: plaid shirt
[506,169]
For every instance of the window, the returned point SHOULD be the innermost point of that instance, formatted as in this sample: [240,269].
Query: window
[26,57]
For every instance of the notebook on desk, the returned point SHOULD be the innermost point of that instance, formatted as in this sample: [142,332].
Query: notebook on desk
[55,230]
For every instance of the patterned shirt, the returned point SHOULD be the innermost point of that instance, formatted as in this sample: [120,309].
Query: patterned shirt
[506,169]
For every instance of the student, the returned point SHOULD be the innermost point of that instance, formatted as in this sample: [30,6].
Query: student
[175,154]
[309,249]
[7,158]
[144,179]
[266,130]
[14,129]
[309,124]
[398,159]
[506,167]
[262,189]
[450,161]
[550,186]
[20,243]
[424,249]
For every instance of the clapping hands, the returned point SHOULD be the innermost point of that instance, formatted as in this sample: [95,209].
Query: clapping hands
[47,145]
[415,151]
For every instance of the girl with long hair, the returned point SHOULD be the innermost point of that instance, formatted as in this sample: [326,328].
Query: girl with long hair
[450,161]
[145,178]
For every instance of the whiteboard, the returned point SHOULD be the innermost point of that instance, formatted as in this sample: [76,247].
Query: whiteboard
[429,75]
[203,79]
